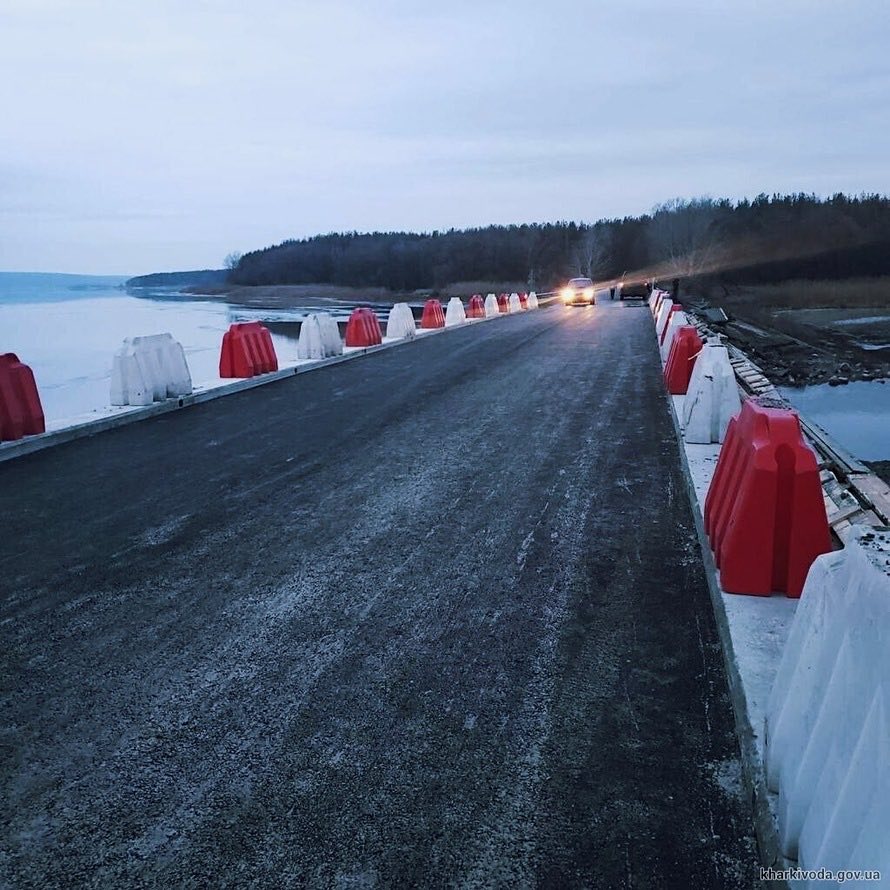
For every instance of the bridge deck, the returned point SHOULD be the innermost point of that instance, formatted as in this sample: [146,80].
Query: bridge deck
[437,616]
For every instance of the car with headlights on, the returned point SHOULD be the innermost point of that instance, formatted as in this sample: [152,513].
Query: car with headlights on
[578,292]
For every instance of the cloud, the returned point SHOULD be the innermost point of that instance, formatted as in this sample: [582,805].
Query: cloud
[168,134]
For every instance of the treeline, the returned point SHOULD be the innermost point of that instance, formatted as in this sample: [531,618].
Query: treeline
[179,279]
[769,238]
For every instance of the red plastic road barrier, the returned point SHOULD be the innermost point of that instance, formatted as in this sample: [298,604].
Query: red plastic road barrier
[363,328]
[523,299]
[503,303]
[433,316]
[21,413]
[675,308]
[685,347]
[476,307]
[247,350]
[764,513]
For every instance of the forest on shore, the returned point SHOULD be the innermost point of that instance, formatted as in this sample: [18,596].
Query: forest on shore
[767,239]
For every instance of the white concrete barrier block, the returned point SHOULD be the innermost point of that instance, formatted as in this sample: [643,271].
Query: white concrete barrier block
[491,306]
[828,706]
[148,369]
[179,378]
[151,364]
[871,850]
[455,313]
[676,320]
[845,795]
[128,386]
[663,315]
[712,397]
[514,304]
[310,345]
[163,359]
[657,296]
[804,651]
[319,337]
[330,334]
[400,323]
[532,300]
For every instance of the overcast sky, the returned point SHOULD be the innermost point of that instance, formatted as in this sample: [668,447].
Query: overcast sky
[138,136]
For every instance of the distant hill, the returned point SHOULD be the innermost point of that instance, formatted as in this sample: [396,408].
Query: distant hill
[179,279]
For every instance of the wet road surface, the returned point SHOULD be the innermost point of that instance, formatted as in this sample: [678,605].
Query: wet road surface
[435,617]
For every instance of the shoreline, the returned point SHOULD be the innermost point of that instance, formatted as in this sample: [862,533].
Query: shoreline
[782,339]
[295,296]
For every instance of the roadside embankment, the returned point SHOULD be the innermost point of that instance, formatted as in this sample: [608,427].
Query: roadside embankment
[765,493]
[806,332]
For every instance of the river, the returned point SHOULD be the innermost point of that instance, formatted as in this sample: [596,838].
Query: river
[68,327]
[856,415]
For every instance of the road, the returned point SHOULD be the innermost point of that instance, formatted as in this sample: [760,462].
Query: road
[434,617]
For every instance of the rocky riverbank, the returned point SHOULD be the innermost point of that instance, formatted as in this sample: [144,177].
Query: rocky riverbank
[804,333]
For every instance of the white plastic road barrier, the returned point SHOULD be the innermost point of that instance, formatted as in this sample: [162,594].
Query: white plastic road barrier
[676,320]
[491,306]
[514,304]
[330,333]
[532,300]
[166,355]
[712,397]
[828,719]
[663,314]
[310,344]
[660,295]
[400,323]
[319,337]
[148,369]
[128,386]
[653,299]
[455,313]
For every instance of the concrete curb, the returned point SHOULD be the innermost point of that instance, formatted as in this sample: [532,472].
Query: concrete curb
[754,775]
[754,772]
[128,415]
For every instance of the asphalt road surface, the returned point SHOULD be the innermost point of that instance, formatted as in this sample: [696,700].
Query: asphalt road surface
[435,617]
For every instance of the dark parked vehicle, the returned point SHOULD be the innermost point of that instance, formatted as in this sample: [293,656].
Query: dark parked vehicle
[634,292]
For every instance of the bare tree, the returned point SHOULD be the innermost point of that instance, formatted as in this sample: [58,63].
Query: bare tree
[232,259]
[531,243]
[592,252]
[684,236]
